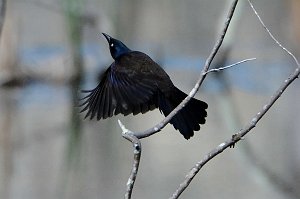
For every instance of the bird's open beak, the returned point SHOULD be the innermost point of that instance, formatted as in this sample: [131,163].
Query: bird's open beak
[107,37]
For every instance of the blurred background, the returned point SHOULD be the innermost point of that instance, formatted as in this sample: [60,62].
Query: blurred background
[51,49]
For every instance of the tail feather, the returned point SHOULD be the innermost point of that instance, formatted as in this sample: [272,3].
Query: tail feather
[188,119]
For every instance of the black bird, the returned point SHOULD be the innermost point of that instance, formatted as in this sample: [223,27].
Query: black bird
[134,83]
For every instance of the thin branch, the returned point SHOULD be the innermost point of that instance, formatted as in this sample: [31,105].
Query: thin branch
[229,66]
[137,150]
[199,82]
[236,137]
[239,136]
[271,35]
[134,138]
[129,135]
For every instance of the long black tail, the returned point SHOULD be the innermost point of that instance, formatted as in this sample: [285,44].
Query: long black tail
[188,119]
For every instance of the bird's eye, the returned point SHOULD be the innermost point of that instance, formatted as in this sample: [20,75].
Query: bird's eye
[112,45]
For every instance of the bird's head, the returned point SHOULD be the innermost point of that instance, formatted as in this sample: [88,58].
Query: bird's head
[116,47]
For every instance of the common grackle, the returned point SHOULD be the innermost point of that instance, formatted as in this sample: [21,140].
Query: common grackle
[134,83]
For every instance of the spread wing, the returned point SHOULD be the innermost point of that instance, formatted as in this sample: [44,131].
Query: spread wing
[122,92]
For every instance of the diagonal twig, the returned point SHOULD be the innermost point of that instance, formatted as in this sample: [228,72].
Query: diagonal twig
[271,35]
[199,82]
[236,137]
[134,137]
[229,66]
[239,136]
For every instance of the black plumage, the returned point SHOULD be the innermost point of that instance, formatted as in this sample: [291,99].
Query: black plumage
[134,83]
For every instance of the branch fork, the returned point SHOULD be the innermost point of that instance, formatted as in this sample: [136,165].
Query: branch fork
[134,138]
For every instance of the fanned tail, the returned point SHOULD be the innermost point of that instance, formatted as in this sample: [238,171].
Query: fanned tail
[188,119]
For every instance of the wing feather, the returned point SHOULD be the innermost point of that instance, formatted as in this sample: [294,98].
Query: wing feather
[119,92]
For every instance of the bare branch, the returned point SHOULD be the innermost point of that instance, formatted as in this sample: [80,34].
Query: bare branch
[192,173]
[236,137]
[239,136]
[271,35]
[229,66]
[213,53]
[137,150]
[134,137]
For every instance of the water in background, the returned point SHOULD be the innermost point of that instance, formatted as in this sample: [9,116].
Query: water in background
[49,151]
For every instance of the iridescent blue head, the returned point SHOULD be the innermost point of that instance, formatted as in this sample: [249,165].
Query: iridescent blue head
[116,47]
